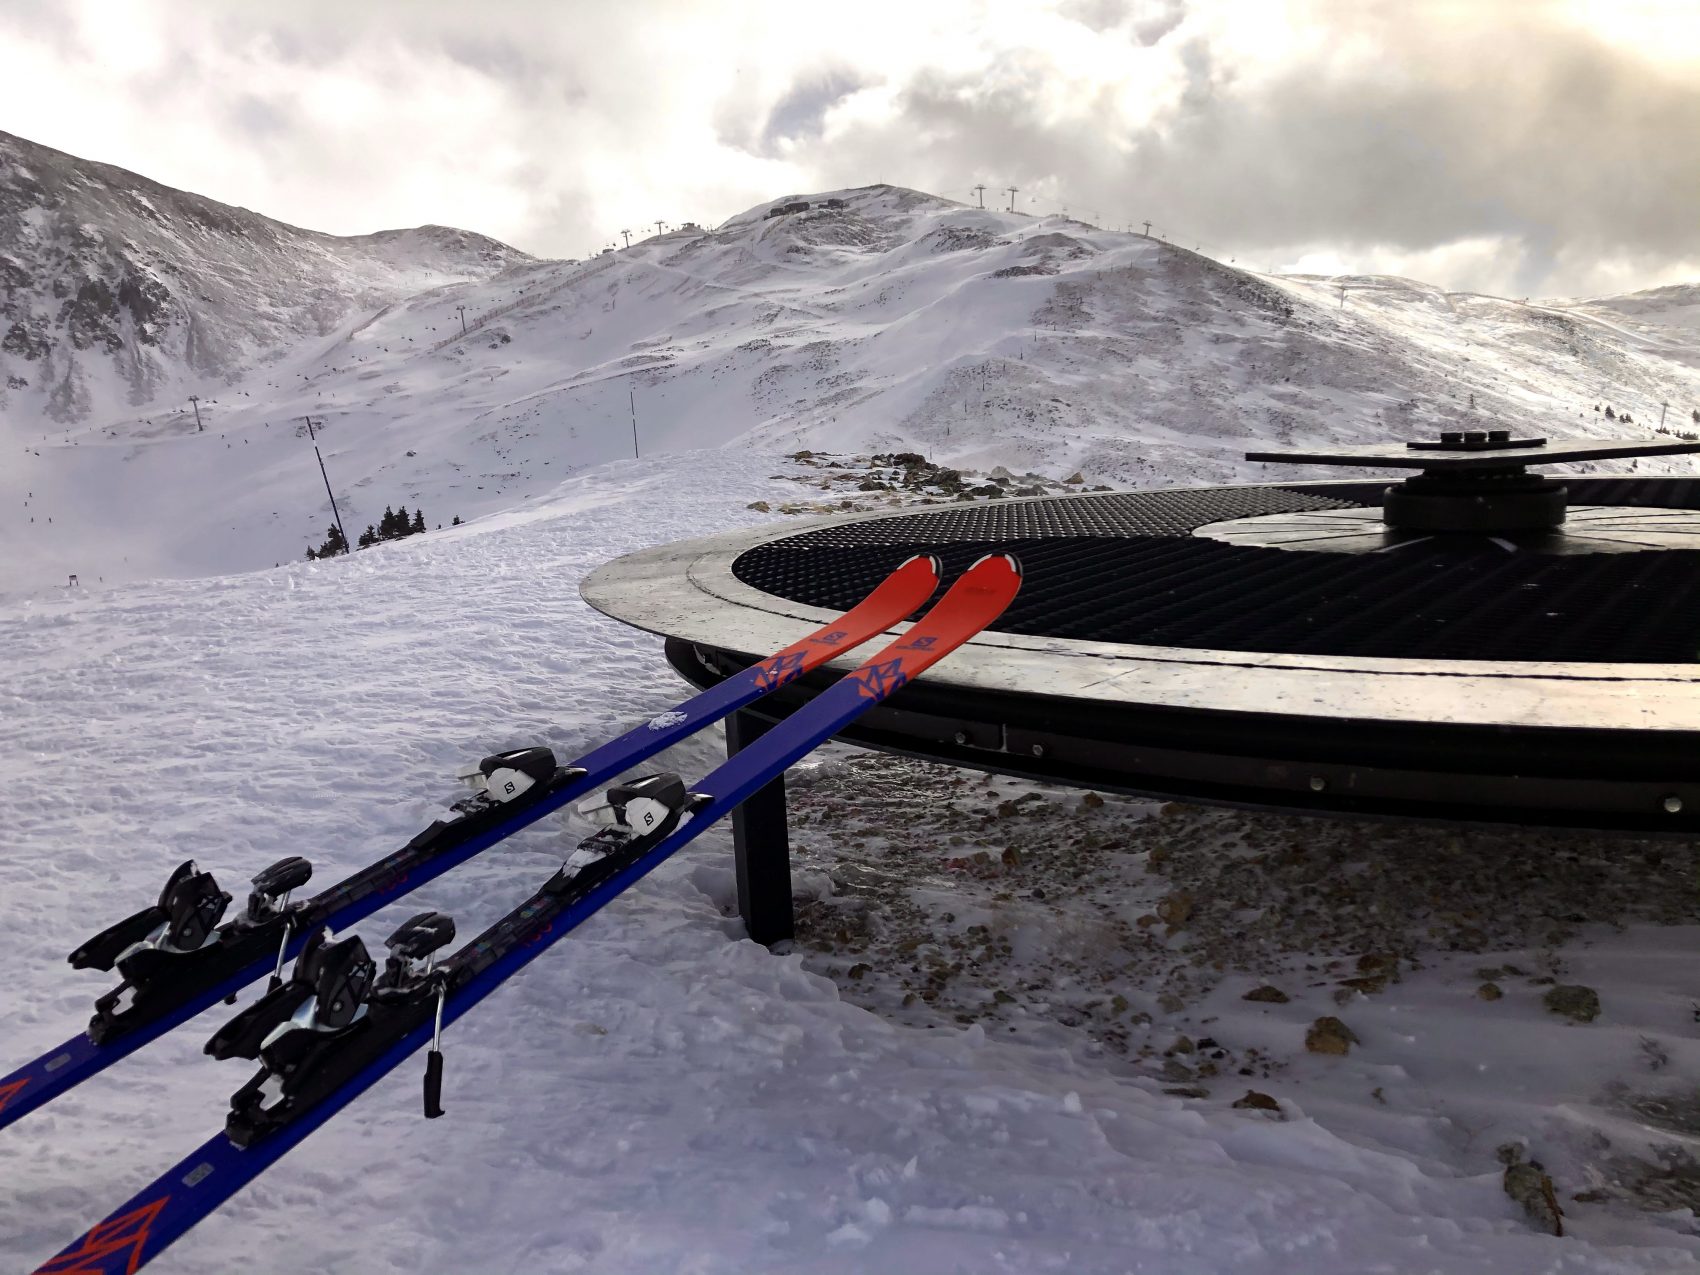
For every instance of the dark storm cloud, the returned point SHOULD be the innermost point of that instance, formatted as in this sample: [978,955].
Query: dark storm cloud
[1542,135]
[798,116]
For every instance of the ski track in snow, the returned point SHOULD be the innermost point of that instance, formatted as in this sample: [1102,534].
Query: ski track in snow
[657,1093]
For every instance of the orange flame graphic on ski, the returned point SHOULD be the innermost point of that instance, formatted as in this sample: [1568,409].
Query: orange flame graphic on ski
[124,1237]
[11,1091]
[876,681]
[779,670]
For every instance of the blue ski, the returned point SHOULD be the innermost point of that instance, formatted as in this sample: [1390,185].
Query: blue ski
[338,1026]
[176,960]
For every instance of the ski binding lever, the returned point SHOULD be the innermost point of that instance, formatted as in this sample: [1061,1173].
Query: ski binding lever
[270,896]
[410,970]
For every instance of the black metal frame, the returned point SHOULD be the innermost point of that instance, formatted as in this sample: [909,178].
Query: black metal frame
[1608,781]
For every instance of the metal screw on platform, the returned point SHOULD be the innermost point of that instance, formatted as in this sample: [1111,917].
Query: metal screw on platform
[1317,783]
[1673,805]
[962,737]
[1038,750]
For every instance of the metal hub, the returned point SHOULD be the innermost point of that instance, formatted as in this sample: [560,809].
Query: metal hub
[1475,482]
[1587,529]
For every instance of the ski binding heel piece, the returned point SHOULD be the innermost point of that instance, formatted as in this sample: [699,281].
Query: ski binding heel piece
[292,1030]
[326,992]
[185,917]
[336,1013]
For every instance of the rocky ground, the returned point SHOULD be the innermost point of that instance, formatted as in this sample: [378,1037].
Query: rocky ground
[1245,959]
[1162,939]
[901,480]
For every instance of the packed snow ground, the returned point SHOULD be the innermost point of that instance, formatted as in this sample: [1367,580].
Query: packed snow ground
[659,1093]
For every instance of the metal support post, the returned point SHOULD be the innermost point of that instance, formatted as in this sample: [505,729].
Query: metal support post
[761,846]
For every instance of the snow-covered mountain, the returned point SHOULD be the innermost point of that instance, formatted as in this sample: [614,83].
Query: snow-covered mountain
[117,292]
[878,319]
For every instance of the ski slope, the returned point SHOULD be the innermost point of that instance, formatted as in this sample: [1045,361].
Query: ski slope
[900,322]
[658,1093]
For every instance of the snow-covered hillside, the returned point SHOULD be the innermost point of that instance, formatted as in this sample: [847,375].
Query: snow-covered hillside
[897,321]
[118,293]
[972,1062]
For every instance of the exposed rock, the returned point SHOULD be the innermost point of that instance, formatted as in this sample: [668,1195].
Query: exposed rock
[1573,1001]
[760,506]
[1255,1101]
[1328,1035]
[1175,909]
[1528,1184]
[1267,995]
[1489,992]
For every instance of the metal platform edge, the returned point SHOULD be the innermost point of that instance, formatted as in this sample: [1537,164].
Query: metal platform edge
[687,591]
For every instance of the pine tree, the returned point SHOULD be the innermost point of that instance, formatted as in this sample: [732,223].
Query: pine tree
[403,525]
[1610,415]
[1695,415]
[369,537]
[386,524]
[456,521]
[418,521]
[334,544]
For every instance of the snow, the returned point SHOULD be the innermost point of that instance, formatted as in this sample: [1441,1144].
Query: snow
[903,322]
[658,1093]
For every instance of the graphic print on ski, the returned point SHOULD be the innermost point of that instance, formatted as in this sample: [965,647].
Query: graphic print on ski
[244,950]
[146,1224]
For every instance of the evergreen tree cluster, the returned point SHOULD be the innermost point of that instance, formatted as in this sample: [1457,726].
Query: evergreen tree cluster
[394,525]
[334,544]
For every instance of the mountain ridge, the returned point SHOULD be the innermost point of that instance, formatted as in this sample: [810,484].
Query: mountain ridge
[116,289]
[895,321]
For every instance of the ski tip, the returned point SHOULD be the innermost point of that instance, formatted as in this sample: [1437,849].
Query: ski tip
[931,559]
[1009,558]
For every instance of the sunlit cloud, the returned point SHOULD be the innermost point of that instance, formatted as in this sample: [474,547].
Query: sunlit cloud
[1522,147]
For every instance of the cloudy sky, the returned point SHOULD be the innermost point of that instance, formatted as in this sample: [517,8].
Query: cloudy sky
[1544,147]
